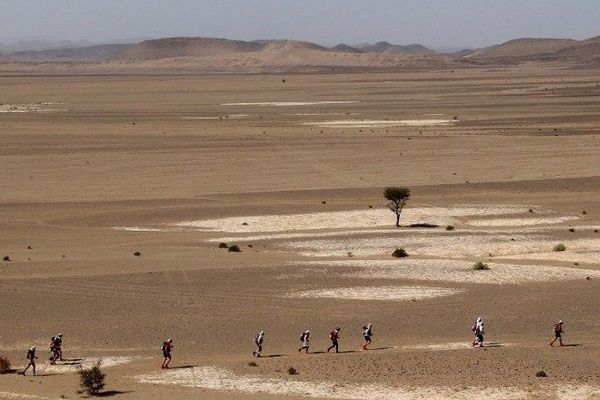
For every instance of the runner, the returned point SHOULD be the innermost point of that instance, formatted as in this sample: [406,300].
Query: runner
[558,332]
[166,350]
[334,336]
[367,333]
[478,330]
[258,341]
[305,339]
[31,357]
[56,348]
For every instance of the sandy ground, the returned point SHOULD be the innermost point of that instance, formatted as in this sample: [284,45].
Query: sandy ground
[169,166]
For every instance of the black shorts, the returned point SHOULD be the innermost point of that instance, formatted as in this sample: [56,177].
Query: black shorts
[166,354]
[558,335]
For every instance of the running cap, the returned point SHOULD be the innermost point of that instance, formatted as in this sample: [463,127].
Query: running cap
[32,347]
[560,322]
[307,331]
[169,340]
[60,334]
[338,328]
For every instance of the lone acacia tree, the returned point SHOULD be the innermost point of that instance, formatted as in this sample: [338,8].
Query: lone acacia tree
[397,198]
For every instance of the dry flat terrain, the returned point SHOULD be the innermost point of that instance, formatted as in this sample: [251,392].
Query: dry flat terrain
[291,168]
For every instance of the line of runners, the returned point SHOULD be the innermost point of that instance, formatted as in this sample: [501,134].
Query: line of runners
[478,330]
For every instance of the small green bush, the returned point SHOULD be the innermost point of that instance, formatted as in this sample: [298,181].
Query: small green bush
[92,379]
[541,374]
[4,365]
[559,247]
[292,371]
[450,228]
[223,245]
[234,249]
[400,253]
[479,266]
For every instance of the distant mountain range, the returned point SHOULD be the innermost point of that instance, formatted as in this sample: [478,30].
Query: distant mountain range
[224,53]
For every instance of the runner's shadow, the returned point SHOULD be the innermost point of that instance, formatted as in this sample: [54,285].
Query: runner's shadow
[184,367]
[382,348]
[70,363]
[493,345]
[347,351]
[317,352]
[272,356]
[572,345]
[72,359]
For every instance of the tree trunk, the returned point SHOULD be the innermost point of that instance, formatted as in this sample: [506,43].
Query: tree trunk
[397,220]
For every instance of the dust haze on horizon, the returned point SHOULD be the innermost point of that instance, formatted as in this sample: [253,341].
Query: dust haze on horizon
[440,24]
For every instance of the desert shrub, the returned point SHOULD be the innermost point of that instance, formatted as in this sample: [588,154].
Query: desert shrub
[400,253]
[223,245]
[234,249]
[292,371]
[424,225]
[480,266]
[541,374]
[91,379]
[137,254]
[450,228]
[6,258]
[4,365]
[252,364]
[584,212]
[571,230]
[559,247]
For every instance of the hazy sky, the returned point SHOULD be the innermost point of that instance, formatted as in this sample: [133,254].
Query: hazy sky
[431,22]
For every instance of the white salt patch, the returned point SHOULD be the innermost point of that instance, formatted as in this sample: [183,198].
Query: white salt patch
[222,379]
[440,346]
[370,218]
[521,221]
[577,392]
[290,103]
[10,396]
[68,368]
[388,293]
[592,257]
[139,229]
[25,108]
[377,123]
[450,245]
[456,271]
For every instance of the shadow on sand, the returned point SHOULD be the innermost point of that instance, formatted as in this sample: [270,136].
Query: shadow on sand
[183,367]
[110,393]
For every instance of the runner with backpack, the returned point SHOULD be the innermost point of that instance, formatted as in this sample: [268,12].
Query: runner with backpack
[258,341]
[56,348]
[305,339]
[334,336]
[166,348]
[31,357]
[367,333]
[558,332]
[478,330]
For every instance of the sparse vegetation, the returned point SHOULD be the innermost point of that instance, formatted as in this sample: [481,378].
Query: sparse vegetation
[541,374]
[4,365]
[400,253]
[137,254]
[559,247]
[480,266]
[571,230]
[6,258]
[223,245]
[292,371]
[252,364]
[234,249]
[450,228]
[397,198]
[92,379]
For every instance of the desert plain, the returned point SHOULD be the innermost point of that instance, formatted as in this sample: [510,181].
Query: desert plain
[290,167]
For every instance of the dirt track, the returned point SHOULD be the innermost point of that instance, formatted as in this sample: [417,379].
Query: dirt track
[151,152]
